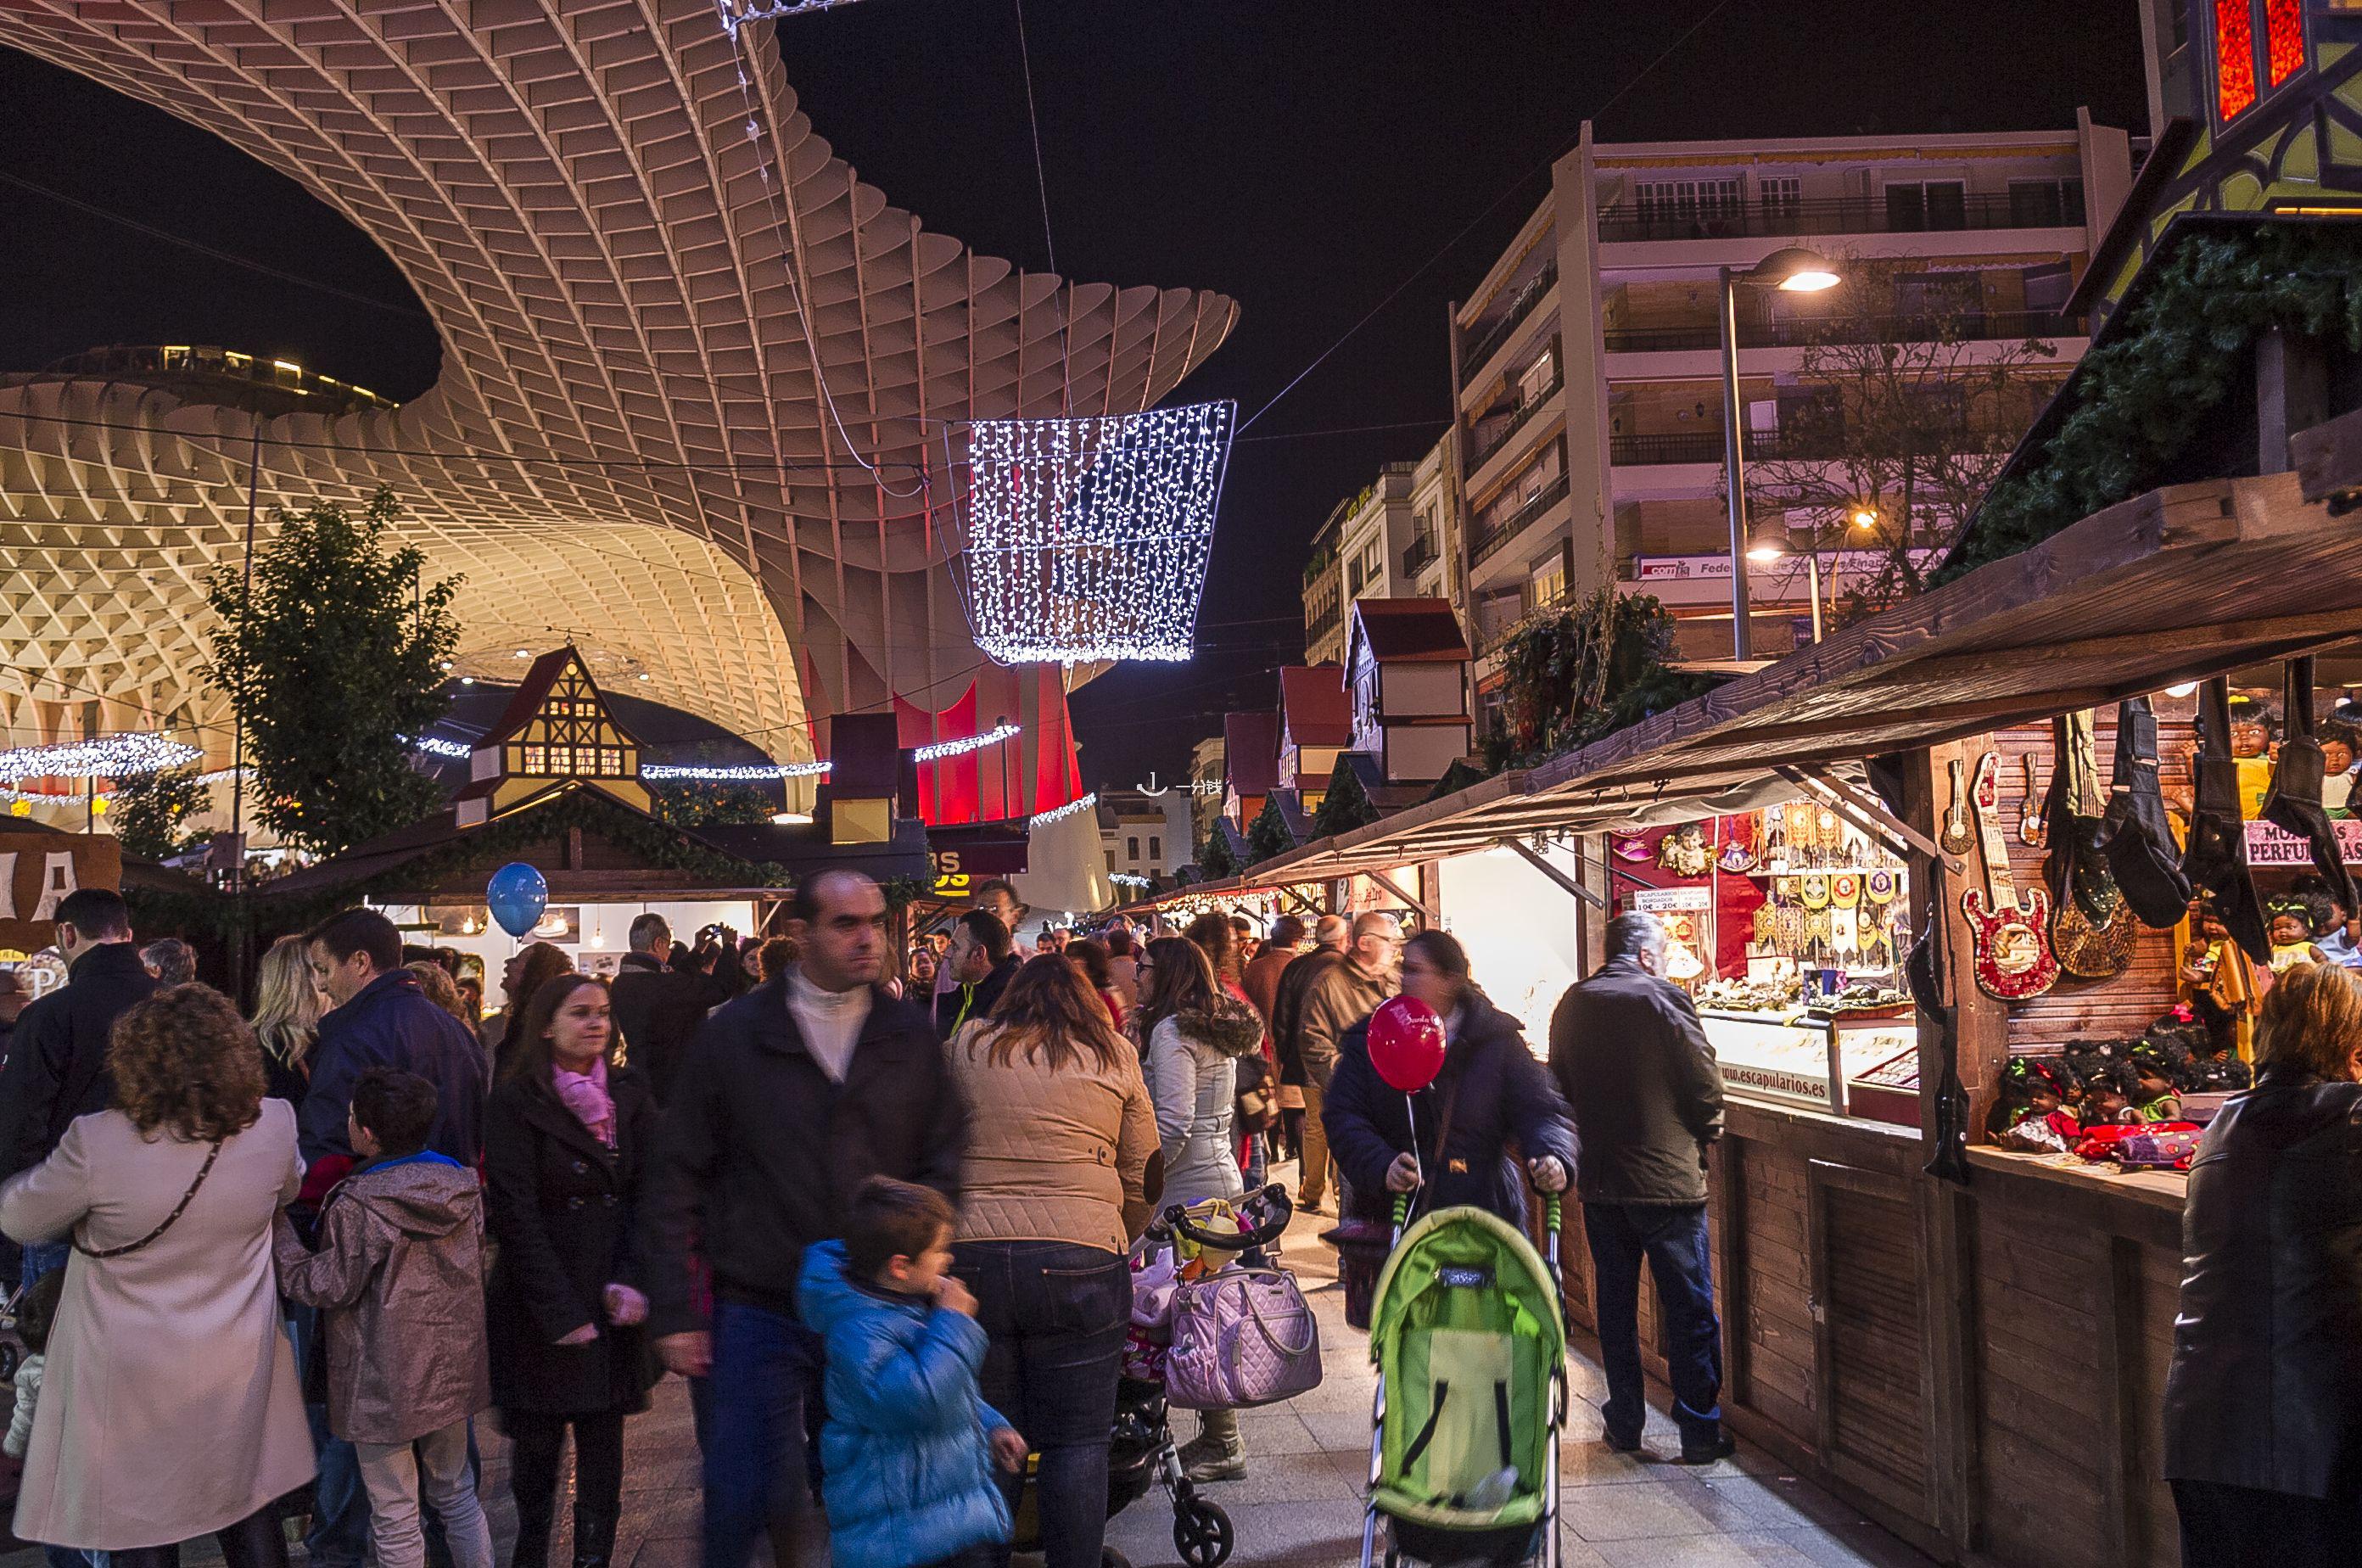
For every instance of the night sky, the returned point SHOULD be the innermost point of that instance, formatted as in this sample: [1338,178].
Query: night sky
[1302,156]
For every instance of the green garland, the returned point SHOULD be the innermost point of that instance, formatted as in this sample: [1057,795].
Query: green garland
[1573,676]
[2141,397]
[1345,806]
[1267,835]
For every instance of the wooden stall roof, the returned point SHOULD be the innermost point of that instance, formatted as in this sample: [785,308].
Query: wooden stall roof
[2185,582]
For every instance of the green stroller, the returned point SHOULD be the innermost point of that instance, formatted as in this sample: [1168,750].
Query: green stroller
[1467,1332]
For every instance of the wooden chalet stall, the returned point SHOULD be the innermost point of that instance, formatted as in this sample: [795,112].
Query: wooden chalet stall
[1977,1362]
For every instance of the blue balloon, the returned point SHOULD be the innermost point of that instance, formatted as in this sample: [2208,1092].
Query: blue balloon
[517,895]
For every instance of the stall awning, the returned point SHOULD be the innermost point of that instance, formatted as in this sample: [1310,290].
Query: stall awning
[2185,582]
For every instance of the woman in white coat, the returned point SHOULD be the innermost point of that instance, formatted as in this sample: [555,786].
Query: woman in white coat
[170,1403]
[1192,1035]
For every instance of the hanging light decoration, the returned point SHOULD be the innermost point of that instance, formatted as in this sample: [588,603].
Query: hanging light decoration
[1087,538]
[736,14]
[942,749]
[104,756]
[435,746]
[1127,880]
[1060,813]
[734,773]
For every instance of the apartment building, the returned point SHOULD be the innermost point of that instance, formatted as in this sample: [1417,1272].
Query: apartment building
[1587,369]
[1360,551]
[1207,766]
[1435,565]
[1142,834]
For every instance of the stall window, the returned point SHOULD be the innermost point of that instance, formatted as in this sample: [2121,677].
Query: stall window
[2234,57]
[2283,39]
[536,759]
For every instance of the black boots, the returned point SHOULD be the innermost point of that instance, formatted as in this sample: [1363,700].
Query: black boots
[594,1539]
[533,1537]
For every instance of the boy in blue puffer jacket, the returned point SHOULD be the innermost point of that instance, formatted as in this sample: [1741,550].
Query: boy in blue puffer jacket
[910,1443]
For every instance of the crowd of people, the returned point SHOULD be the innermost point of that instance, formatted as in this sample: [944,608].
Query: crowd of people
[873,1201]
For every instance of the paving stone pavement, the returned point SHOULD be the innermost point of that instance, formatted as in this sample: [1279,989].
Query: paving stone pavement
[1299,1506]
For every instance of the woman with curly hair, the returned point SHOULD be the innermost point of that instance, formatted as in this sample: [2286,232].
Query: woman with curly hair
[168,1334]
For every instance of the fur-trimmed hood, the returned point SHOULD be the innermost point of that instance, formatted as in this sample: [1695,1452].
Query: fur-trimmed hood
[1231,1026]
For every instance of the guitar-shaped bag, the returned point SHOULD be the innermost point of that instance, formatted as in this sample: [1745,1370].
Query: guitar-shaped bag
[1954,832]
[2215,858]
[2013,960]
[2092,928]
[2134,833]
[2294,802]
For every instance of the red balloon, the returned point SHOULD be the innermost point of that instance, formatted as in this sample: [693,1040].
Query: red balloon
[1407,1043]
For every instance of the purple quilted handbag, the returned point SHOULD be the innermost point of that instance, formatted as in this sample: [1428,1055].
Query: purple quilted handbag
[1241,1338]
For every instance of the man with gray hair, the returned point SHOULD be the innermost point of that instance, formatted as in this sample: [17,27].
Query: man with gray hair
[1341,996]
[1636,1071]
[658,1009]
[1297,1107]
[172,961]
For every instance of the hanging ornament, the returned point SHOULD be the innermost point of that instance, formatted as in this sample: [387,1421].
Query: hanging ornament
[105,757]
[1087,538]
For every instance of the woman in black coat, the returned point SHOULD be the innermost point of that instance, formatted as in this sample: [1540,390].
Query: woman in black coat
[2263,1400]
[567,1139]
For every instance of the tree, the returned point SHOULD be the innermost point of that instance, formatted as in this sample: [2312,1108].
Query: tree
[1571,676]
[1267,835]
[1215,860]
[1345,805]
[1892,443]
[149,809]
[336,660]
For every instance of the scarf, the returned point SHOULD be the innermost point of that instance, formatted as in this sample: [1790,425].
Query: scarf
[585,1094]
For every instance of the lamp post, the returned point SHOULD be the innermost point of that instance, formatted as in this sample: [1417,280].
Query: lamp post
[1773,538]
[1793,270]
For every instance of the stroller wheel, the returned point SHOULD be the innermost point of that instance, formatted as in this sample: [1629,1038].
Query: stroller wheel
[1201,1533]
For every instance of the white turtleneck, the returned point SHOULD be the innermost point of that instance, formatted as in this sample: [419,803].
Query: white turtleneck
[830,1020]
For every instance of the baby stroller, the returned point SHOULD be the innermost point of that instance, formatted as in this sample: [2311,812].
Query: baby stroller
[1467,1332]
[1142,1451]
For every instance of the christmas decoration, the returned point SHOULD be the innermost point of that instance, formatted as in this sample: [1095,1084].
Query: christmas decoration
[435,746]
[1127,880]
[942,749]
[736,14]
[1060,813]
[734,773]
[1087,538]
[104,756]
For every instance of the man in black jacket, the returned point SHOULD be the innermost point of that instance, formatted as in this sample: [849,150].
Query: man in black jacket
[792,1097]
[57,1060]
[659,1010]
[1298,978]
[1636,1071]
[984,959]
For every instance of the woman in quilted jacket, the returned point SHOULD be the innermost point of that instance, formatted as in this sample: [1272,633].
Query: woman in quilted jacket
[1054,1185]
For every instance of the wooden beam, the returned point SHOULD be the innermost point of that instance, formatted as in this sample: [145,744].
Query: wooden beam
[1556,876]
[1425,912]
[1869,815]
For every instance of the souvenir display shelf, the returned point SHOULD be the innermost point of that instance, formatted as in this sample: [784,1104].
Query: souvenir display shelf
[1854,1063]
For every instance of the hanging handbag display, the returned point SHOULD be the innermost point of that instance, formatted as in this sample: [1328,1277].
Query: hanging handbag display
[1241,1338]
[2091,927]
[2134,833]
[2215,859]
[2294,802]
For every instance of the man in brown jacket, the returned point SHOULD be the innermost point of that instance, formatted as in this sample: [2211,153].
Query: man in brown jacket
[399,1276]
[1340,997]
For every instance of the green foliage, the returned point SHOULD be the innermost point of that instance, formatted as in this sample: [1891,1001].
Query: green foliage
[703,802]
[1574,676]
[336,660]
[149,810]
[1267,835]
[1456,777]
[1345,806]
[1215,860]
[2144,395]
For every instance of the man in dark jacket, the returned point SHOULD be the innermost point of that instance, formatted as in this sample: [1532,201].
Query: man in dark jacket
[1627,1049]
[57,1066]
[379,1017]
[983,959]
[793,1096]
[659,1010]
[1302,973]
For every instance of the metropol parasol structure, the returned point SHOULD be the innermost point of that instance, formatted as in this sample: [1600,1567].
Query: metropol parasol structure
[695,384]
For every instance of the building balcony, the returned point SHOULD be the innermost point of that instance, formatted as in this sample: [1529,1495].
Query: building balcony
[2003,325]
[1516,422]
[1488,341]
[1763,445]
[1321,625]
[1422,552]
[1490,540]
[1843,214]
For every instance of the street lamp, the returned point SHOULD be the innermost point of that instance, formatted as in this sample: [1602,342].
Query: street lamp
[1772,540]
[1792,270]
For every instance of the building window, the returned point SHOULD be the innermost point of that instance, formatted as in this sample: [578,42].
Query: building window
[536,760]
[1679,203]
[2283,39]
[1132,848]
[1928,204]
[1110,859]
[2234,57]
[2046,203]
[1780,196]
[1155,846]
[1550,582]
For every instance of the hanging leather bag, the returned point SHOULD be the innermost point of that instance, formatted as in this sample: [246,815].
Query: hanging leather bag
[2134,833]
[2293,803]
[2215,859]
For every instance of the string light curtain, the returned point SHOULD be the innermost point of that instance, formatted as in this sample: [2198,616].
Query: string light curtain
[107,756]
[1087,538]
[736,14]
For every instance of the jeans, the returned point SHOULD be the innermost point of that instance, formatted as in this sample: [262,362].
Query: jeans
[765,1364]
[395,1472]
[39,1258]
[339,1535]
[1671,1237]
[1056,1313]
[1312,1177]
[2239,1527]
[254,1541]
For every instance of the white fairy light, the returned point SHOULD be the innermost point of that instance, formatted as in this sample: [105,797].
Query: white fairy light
[736,773]
[736,14]
[942,749]
[1127,880]
[435,746]
[104,757]
[1087,538]
[1060,813]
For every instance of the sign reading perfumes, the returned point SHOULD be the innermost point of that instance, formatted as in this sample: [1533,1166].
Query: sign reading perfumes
[2269,846]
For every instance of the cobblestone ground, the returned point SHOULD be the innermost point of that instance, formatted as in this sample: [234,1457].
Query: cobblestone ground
[1300,1505]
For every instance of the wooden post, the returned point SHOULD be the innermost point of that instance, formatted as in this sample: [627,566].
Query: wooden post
[2291,394]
